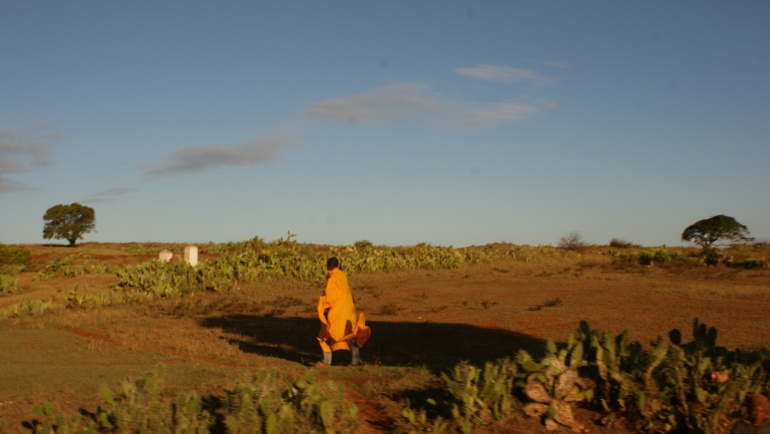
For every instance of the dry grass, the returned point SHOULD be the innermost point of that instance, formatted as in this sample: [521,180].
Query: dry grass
[422,321]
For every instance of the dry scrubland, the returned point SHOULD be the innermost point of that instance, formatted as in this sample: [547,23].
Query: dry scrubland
[66,335]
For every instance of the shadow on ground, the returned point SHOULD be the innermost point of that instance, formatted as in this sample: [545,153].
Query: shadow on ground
[393,343]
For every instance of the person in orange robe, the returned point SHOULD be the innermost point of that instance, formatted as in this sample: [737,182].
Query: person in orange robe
[339,328]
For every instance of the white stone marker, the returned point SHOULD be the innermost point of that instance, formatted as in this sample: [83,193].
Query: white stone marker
[165,256]
[191,255]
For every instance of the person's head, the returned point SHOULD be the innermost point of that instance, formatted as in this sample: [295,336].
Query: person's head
[758,406]
[332,263]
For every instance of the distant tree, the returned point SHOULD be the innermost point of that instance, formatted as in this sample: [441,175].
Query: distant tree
[572,241]
[708,231]
[69,222]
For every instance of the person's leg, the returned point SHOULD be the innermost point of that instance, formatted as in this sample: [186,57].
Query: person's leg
[327,351]
[355,354]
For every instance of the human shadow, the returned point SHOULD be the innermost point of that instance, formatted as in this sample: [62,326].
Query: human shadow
[393,343]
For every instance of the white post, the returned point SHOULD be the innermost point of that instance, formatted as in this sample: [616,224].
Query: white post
[191,255]
[165,256]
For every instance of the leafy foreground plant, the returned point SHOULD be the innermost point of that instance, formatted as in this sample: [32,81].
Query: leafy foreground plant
[673,386]
[138,407]
[474,397]
[554,385]
[263,404]
[696,387]
[481,395]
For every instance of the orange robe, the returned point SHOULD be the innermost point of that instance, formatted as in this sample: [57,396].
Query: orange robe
[339,323]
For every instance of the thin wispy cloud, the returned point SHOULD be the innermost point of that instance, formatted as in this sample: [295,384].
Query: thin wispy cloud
[46,125]
[503,74]
[398,102]
[482,115]
[18,154]
[558,64]
[418,103]
[206,158]
[107,196]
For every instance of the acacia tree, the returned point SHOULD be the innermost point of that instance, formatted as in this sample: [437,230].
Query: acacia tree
[68,222]
[719,227]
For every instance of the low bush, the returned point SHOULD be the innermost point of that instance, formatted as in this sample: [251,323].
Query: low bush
[8,284]
[12,255]
[28,307]
[262,404]
[573,241]
[751,263]
[620,243]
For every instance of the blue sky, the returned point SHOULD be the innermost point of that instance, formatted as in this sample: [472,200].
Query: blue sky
[448,122]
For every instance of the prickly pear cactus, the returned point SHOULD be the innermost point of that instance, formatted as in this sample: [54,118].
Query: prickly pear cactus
[555,390]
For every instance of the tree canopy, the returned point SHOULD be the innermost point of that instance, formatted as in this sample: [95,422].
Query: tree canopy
[708,231]
[69,222]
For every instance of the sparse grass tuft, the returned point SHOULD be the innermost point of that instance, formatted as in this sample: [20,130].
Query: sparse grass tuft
[553,302]
[285,301]
[390,309]
[437,309]
[275,312]
[550,303]
[486,304]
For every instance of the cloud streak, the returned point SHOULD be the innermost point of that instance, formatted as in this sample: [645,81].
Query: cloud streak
[205,158]
[398,102]
[107,196]
[481,115]
[18,154]
[418,103]
[503,74]
[556,64]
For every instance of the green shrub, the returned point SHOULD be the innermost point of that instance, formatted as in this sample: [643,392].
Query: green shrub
[321,408]
[10,255]
[138,406]
[480,396]
[28,307]
[8,284]
[64,267]
[660,256]
[712,257]
[53,422]
[256,405]
[751,263]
